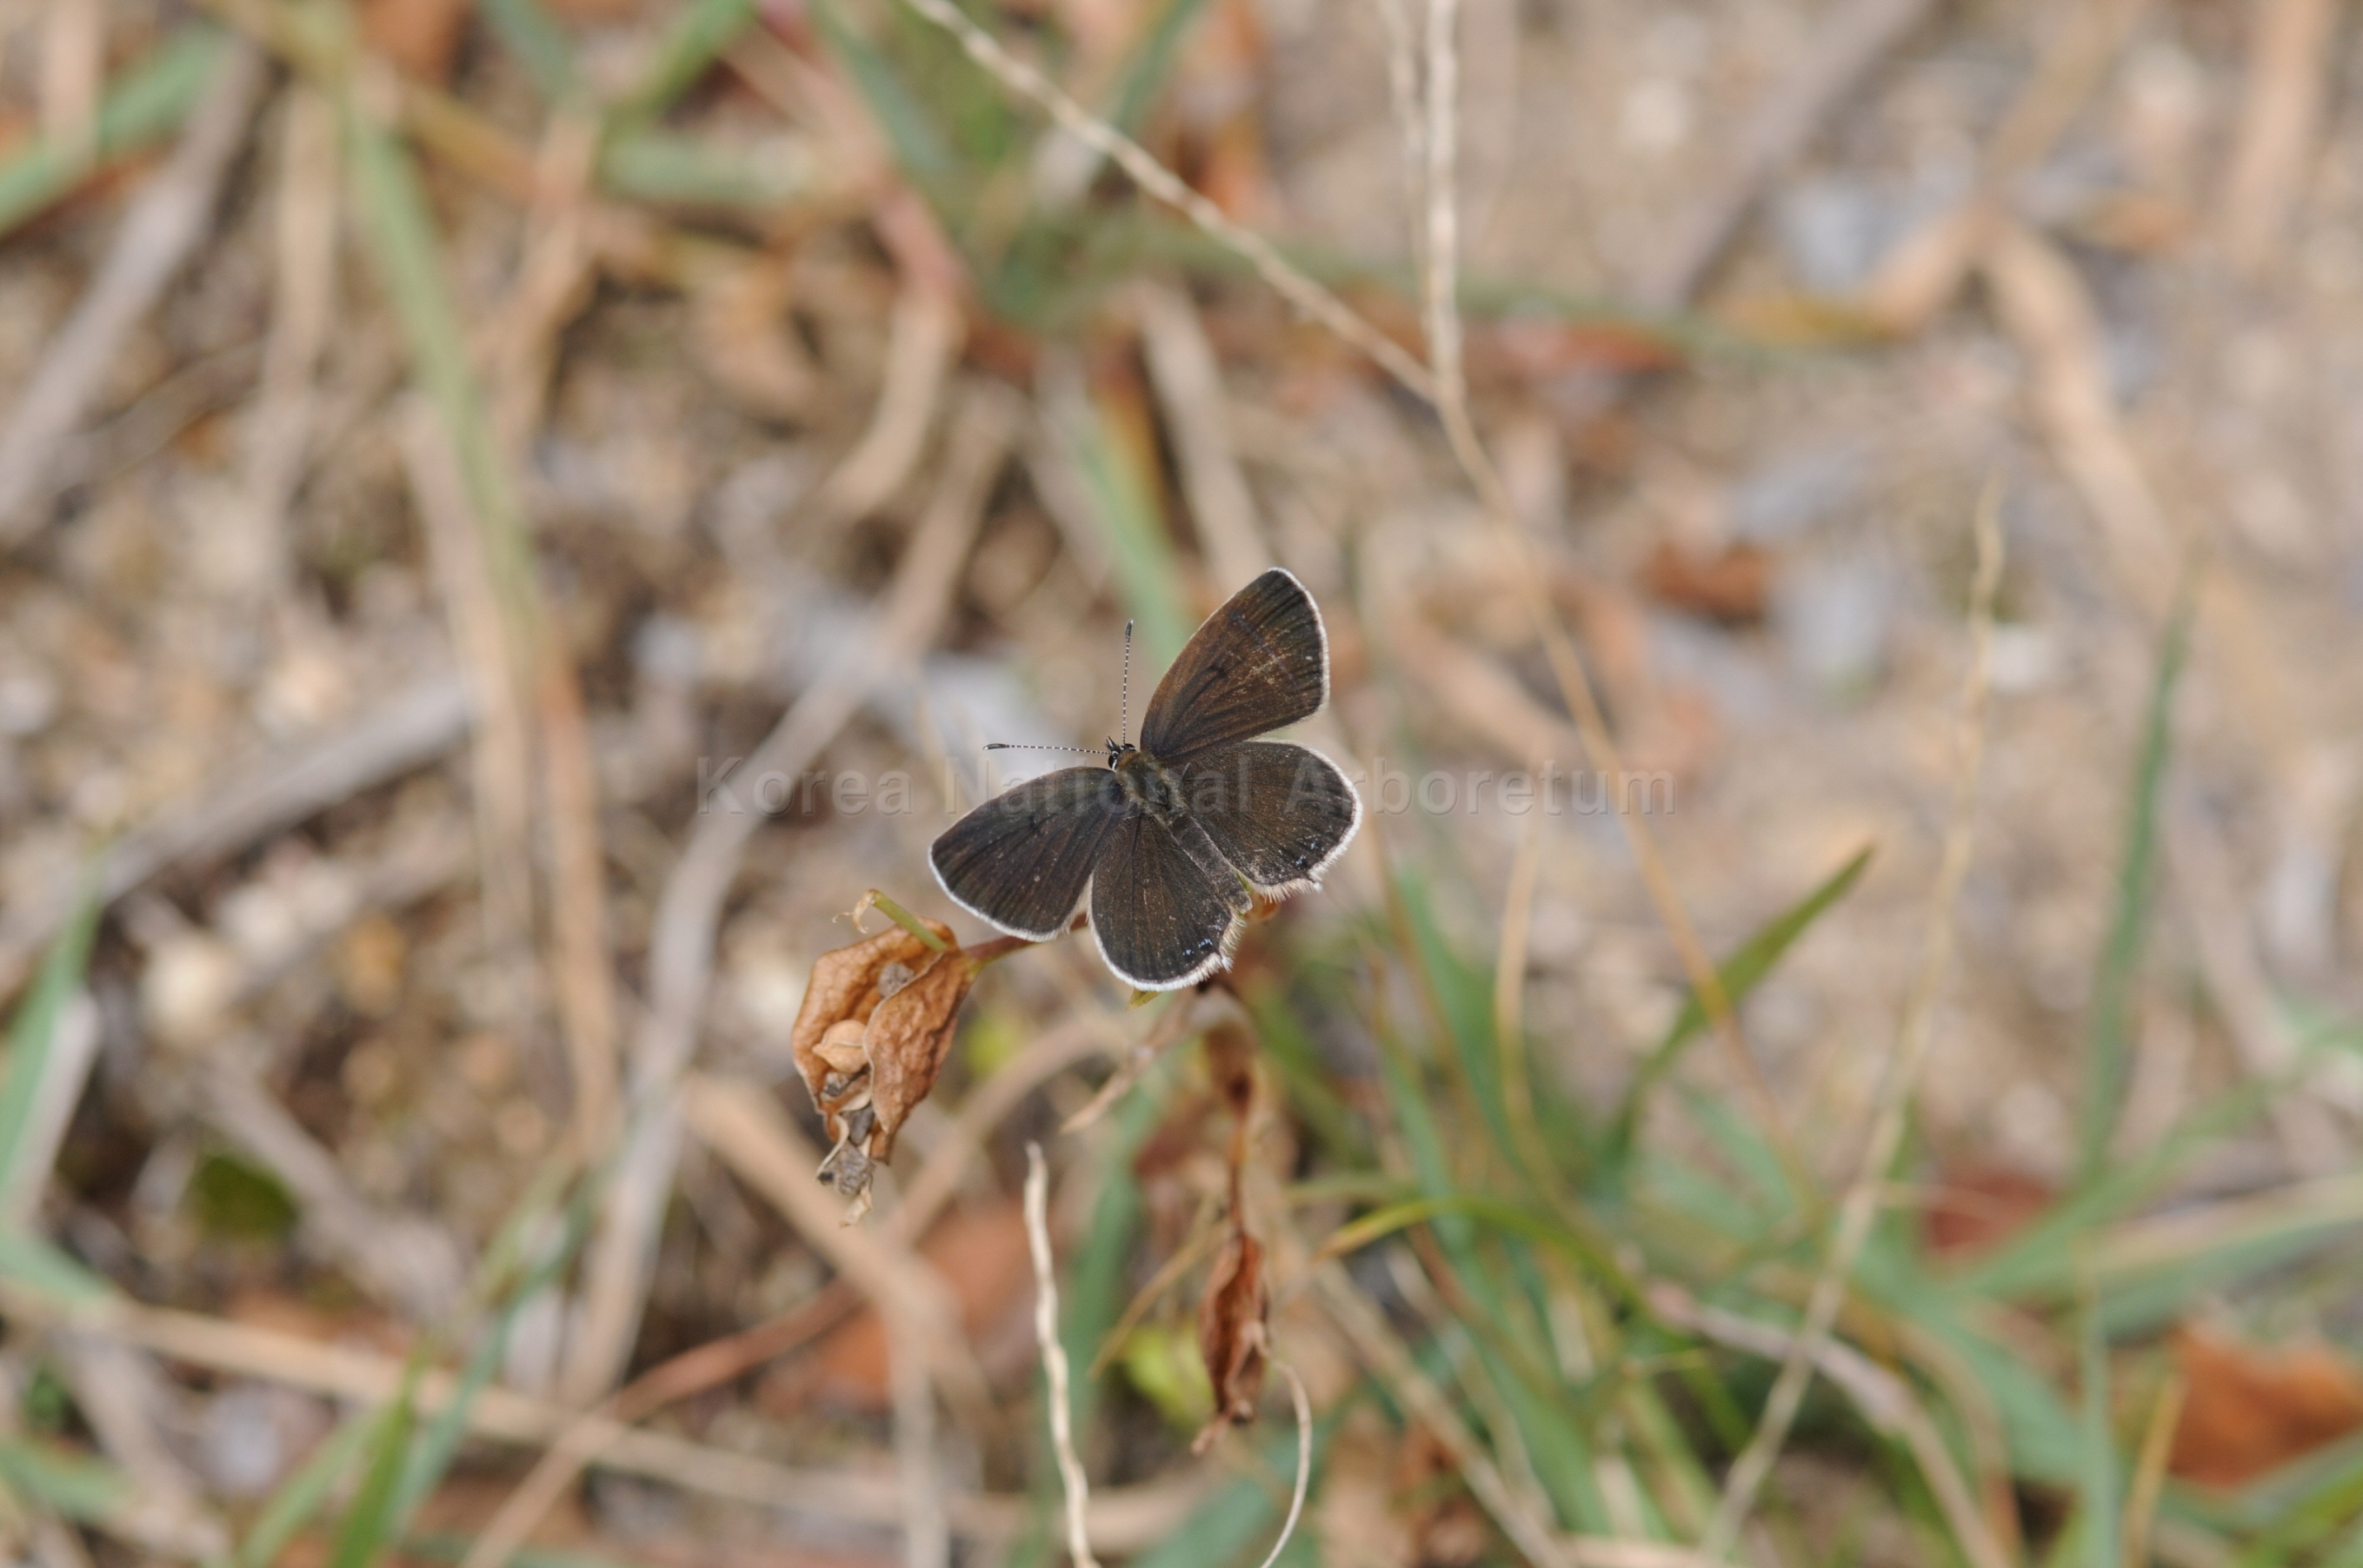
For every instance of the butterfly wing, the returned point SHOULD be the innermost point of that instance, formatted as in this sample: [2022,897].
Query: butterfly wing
[1260,661]
[1278,812]
[1021,859]
[1163,916]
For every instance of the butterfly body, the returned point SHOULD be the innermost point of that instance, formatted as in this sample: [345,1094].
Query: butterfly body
[1173,838]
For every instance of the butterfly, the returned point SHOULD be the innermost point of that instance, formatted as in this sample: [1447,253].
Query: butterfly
[1172,839]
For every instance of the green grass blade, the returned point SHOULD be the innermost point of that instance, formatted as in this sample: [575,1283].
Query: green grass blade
[917,140]
[651,164]
[301,1494]
[1151,63]
[141,108]
[700,30]
[2108,1040]
[2098,1501]
[31,1037]
[530,33]
[1740,974]
[369,1526]
[34,1265]
[71,1485]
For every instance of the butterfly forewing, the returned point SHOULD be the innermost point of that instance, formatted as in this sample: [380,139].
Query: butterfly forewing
[1260,662]
[1161,922]
[1279,812]
[1022,858]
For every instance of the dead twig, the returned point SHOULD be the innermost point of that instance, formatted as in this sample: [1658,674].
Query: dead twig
[164,223]
[1898,1084]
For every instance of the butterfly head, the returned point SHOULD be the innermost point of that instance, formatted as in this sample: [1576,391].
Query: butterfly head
[1117,750]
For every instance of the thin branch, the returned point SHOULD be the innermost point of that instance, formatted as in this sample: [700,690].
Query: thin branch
[1077,1484]
[1861,1204]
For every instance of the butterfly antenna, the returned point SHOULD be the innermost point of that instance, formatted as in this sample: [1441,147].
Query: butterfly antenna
[1123,703]
[1037,746]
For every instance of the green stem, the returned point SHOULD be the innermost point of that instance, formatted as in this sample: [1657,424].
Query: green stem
[874,900]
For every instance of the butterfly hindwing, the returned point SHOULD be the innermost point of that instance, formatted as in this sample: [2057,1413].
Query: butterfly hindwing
[1278,812]
[1021,859]
[1260,661]
[1161,918]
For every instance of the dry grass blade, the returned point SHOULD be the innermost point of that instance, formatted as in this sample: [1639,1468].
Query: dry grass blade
[1124,1519]
[587,1439]
[166,222]
[502,771]
[127,1402]
[744,1126]
[1919,275]
[1072,1481]
[1898,1084]
[689,911]
[1190,388]
[1161,182]
[1885,1401]
[1846,48]
[399,1257]
[302,304]
[1376,1346]
[1301,1403]
[922,341]
[2290,62]
[411,728]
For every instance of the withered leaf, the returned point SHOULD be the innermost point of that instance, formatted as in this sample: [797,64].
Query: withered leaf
[909,1036]
[2251,1408]
[1231,1331]
[844,986]
[1230,1063]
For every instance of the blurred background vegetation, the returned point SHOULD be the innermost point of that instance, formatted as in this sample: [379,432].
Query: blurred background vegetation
[437,438]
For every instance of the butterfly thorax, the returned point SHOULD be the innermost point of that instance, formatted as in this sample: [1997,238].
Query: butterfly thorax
[1147,783]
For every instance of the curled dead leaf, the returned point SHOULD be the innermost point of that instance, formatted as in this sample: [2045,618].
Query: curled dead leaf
[872,1033]
[909,1036]
[1232,1334]
[2249,1409]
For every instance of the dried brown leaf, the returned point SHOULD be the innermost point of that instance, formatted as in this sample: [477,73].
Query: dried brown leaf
[2251,1408]
[1231,1331]
[1727,585]
[844,986]
[420,37]
[909,1036]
